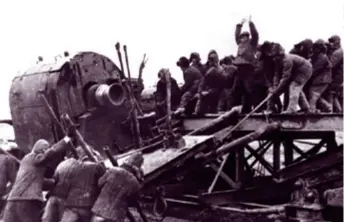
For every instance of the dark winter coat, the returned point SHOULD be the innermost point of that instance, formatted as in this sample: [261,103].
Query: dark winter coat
[337,68]
[321,69]
[120,188]
[229,72]
[246,51]
[175,92]
[213,80]
[200,67]
[76,182]
[29,181]
[192,79]
[8,172]
[292,68]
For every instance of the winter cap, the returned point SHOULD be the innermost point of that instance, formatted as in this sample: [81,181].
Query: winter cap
[183,62]
[319,42]
[334,38]
[277,49]
[135,159]
[194,55]
[40,146]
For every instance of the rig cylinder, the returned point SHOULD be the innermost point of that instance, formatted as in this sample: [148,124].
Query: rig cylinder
[107,95]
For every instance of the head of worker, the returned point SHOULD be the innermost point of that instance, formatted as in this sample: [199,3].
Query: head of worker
[41,146]
[334,42]
[135,160]
[277,52]
[183,63]
[319,46]
[226,61]
[195,58]
[164,73]
[244,37]
[213,58]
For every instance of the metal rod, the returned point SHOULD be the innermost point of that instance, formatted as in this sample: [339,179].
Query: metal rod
[57,122]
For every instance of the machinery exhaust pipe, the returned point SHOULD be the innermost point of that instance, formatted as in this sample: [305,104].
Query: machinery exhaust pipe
[107,95]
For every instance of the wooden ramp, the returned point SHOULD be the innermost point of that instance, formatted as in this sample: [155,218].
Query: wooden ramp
[289,122]
[162,160]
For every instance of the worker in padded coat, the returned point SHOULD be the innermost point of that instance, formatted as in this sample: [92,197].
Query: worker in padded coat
[25,201]
[161,93]
[192,79]
[292,73]
[120,188]
[245,61]
[8,171]
[229,72]
[76,187]
[336,86]
[211,86]
[321,77]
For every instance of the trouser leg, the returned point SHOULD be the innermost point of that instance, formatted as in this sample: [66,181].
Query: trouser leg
[295,89]
[314,94]
[53,210]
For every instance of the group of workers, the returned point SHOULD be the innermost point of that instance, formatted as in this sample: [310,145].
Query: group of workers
[310,75]
[81,188]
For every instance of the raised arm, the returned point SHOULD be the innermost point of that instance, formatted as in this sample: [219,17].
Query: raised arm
[54,151]
[238,30]
[254,34]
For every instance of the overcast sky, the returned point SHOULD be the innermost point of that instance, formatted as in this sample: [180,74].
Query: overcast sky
[165,30]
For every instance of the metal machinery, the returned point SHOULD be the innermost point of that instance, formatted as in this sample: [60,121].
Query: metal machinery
[229,166]
[87,86]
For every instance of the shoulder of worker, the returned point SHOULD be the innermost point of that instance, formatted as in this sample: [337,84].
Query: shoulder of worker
[193,71]
[338,53]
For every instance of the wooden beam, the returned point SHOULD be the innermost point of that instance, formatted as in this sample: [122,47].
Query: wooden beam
[261,153]
[261,159]
[295,122]
[240,166]
[224,176]
[276,155]
[288,152]
[312,151]
[219,170]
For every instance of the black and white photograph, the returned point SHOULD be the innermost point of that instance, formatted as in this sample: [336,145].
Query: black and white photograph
[171,111]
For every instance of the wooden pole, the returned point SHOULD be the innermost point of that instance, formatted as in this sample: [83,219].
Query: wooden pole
[57,122]
[214,124]
[211,188]
[80,139]
[232,146]
[138,140]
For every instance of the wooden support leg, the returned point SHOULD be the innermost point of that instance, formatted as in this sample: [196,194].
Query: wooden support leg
[288,152]
[211,188]
[240,166]
[277,155]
